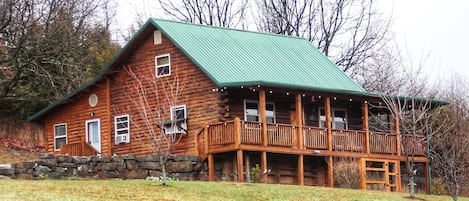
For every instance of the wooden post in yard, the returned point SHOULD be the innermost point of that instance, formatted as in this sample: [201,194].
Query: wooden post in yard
[299,121]
[239,161]
[366,127]
[211,168]
[301,170]
[330,174]
[327,111]
[262,116]
[264,171]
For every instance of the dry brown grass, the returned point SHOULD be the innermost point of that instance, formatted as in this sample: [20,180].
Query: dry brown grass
[8,155]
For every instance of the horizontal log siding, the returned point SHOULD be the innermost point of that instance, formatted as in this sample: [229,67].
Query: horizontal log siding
[74,114]
[201,102]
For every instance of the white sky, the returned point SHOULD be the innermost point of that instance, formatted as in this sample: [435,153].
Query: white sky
[437,28]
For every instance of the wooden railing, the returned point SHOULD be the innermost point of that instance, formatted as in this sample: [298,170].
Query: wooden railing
[315,138]
[239,132]
[81,148]
[348,140]
[383,143]
[413,145]
[251,132]
[221,133]
[280,135]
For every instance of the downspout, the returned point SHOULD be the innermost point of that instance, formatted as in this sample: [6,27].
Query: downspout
[427,133]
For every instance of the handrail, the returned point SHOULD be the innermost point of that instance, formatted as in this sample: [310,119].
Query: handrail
[81,148]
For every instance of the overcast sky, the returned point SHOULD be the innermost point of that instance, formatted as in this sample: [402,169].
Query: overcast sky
[436,28]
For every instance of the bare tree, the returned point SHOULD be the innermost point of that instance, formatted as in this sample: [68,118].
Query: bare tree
[348,31]
[449,150]
[153,101]
[50,49]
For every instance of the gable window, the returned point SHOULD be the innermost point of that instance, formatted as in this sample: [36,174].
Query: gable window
[251,111]
[338,118]
[178,120]
[122,129]
[60,135]
[163,65]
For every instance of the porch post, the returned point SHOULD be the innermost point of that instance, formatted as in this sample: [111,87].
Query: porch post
[301,177]
[327,110]
[237,132]
[239,161]
[262,116]
[366,127]
[299,121]
[211,168]
[264,171]
[330,174]
[398,132]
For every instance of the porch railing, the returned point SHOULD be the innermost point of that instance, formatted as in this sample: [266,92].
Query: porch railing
[383,143]
[283,135]
[81,148]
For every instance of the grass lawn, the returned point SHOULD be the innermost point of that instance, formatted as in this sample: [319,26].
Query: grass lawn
[182,190]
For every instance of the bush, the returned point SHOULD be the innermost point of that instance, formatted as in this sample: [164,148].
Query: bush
[255,174]
[438,187]
[347,173]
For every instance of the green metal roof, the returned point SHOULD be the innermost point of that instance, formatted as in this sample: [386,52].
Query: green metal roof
[234,57]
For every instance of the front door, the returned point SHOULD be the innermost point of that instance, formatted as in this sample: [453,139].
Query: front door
[93,133]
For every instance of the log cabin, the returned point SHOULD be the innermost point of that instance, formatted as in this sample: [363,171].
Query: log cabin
[249,100]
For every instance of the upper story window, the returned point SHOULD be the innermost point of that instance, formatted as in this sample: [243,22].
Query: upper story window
[338,118]
[122,129]
[60,135]
[251,111]
[163,65]
[157,37]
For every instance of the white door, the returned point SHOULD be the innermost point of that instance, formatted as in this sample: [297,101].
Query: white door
[93,133]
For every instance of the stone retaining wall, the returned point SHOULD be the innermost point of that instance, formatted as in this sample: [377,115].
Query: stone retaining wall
[126,167]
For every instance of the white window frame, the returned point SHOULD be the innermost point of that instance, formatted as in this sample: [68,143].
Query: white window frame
[333,110]
[116,130]
[163,65]
[169,129]
[266,112]
[56,137]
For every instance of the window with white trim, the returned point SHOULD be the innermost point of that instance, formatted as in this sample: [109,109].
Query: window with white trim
[338,118]
[178,120]
[163,65]
[122,129]
[251,111]
[60,135]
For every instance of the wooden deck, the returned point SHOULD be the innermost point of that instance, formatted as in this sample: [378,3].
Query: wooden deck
[291,139]
[81,148]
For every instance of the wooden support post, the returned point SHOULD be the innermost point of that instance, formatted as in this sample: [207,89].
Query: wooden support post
[196,144]
[363,173]
[299,121]
[264,172]
[327,110]
[262,116]
[366,127]
[398,132]
[301,170]
[109,118]
[427,179]
[330,173]
[211,168]
[206,140]
[237,132]
[248,168]
[398,176]
[239,161]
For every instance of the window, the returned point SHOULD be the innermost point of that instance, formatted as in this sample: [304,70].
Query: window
[60,135]
[338,118]
[157,37]
[251,109]
[163,65]
[122,129]
[178,120]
